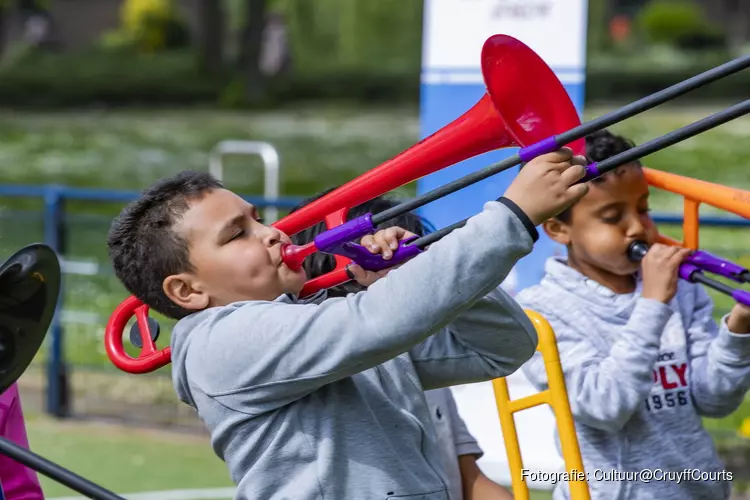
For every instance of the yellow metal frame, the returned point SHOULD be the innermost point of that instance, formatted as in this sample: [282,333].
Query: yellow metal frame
[557,397]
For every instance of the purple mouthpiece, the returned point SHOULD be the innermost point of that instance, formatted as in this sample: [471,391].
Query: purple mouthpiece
[542,147]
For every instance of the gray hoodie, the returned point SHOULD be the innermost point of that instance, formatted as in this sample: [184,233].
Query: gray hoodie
[323,399]
[640,374]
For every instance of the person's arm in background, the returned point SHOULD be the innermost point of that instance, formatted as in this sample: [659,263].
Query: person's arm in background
[18,481]
[475,485]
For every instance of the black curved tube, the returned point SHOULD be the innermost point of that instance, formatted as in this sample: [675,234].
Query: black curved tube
[55,472]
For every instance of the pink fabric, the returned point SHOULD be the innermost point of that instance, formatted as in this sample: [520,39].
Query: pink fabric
[18,482]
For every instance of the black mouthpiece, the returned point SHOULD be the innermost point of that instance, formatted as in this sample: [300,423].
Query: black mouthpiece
[637,251]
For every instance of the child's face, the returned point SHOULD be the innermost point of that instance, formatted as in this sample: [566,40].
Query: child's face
[234,257]
[605,222]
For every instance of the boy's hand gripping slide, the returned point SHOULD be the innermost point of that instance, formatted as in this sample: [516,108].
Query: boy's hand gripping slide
[699,262]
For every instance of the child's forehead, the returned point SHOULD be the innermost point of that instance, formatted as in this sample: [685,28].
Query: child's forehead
[627,184]
[214,208]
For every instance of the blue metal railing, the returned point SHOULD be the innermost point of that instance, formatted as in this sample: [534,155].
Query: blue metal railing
[55,196]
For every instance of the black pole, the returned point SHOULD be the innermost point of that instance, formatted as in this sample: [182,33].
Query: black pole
[628,156]
[55,472]
[716,285]
[573,134]
[446,189]
[673,137]
[431,238]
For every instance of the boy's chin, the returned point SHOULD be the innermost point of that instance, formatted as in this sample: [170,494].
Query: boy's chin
[295,282]
[628,269]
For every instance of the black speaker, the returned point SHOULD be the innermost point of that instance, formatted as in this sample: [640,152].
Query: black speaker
[29,289]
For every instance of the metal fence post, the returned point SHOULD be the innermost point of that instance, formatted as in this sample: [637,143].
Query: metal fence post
[57,371]
[268,155]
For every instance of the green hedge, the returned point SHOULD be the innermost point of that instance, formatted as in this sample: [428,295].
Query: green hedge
[89,78]
[614,85]
[119,79]
[95,78]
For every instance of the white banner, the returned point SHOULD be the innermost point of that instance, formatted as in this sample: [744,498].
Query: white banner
[455,31]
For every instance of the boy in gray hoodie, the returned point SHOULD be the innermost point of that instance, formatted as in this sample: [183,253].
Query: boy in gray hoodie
[642,356]
[459,450]
[323,399]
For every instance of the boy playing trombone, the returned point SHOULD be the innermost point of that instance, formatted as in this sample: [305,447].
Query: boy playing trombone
[643,359]
[323,399]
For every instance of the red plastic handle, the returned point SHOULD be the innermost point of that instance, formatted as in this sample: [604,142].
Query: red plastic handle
[150,359]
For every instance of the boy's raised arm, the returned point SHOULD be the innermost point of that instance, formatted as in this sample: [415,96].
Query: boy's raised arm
[271,353]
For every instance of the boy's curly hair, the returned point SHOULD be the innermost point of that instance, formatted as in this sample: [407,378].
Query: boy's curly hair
[600,146]
[320,263]
[144,248]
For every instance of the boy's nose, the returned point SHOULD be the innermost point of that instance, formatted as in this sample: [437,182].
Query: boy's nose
[272,236]
[636,229]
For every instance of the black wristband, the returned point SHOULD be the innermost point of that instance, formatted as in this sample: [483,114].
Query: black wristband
[522,216]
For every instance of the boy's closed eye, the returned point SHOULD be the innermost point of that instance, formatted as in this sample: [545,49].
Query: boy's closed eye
[235,228]
[237,234]
[614,216]
[240,232]
[611,216]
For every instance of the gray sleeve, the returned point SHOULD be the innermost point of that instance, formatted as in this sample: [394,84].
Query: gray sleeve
[719,361]
[263,355]
[493,339]
[606,388]
[463,440]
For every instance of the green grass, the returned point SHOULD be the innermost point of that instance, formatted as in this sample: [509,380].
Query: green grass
[130,149]
[129,460]
[125,459]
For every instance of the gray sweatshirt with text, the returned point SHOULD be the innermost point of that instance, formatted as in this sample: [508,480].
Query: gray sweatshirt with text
[640,374]
[324,399]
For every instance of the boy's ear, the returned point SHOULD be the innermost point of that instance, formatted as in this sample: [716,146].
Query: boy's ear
[183,291]
[558,231]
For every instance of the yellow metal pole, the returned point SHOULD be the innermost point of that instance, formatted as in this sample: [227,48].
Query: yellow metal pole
[557,397]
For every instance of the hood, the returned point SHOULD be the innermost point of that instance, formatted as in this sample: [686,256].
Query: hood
[558,274]
[181,339]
